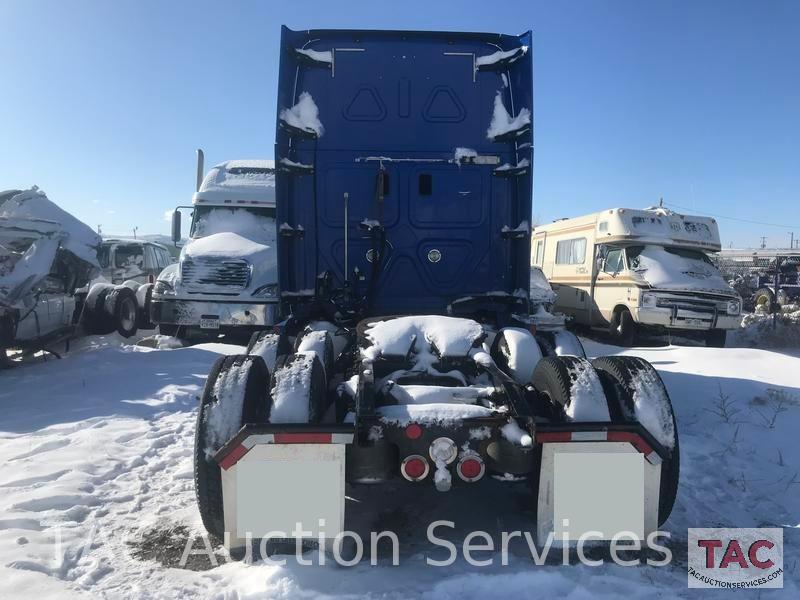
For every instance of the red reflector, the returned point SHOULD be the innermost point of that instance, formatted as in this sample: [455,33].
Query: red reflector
[415,468]
[471,468]
[233,457]
[413,431]
[553,436]
[303,438]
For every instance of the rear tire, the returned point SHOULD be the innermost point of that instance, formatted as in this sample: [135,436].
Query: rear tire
[120,307]
[254,407]
[623,328]
[764,297]
[323,348]
[517,353]
[144,294]
[269,346]
[622,377]
[298,372]
[95,319]
[554,379]
[715,338]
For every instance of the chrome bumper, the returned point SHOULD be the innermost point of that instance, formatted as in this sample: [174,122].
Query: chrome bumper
[677,317]
[190,312]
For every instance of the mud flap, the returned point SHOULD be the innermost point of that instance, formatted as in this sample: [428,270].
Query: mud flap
[600,487]
[276,485]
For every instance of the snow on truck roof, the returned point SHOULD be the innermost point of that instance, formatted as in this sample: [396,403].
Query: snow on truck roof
[249,182]
[655,225]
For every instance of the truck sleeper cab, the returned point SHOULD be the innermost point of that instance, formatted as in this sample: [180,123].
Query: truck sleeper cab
[410,347]
[626,269]
[226,280]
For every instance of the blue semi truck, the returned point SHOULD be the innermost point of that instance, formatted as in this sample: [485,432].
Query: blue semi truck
[410,346]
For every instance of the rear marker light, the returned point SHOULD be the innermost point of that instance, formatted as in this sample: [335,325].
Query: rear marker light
[413,431]
[414,467]
[471,468]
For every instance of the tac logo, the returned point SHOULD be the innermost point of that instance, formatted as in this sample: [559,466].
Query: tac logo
[735,558]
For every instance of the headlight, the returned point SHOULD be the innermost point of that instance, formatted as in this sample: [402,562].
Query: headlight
[734,307]
[647,299]
[162,288]
[267,291]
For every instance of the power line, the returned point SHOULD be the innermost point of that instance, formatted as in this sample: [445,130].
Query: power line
[782,226]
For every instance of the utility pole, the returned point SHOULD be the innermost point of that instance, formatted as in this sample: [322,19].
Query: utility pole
[763,242]
[791,240]
[99,230]
[135,229]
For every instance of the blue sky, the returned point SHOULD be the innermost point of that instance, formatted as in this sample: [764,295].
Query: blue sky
[103,103]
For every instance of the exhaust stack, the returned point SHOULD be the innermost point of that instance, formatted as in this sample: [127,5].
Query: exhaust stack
[200,161]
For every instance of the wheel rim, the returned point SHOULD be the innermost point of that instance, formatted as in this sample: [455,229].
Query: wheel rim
[127,315]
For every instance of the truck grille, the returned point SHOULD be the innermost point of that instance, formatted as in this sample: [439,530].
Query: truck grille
[210,274]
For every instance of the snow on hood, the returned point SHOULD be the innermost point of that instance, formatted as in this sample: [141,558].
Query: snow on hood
[226,243]
[237,233]
[668,271]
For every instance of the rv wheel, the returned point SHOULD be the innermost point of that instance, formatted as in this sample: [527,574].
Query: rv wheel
[629,378]
[623,328]
[224,408]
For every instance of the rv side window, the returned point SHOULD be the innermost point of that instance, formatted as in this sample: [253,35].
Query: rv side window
[537,259]
[571,252]
[614,261]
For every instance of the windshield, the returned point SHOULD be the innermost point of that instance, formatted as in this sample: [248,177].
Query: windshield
[129,256]
[258,222]
[675,268]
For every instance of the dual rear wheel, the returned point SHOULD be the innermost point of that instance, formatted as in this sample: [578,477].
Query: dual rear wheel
[633,391]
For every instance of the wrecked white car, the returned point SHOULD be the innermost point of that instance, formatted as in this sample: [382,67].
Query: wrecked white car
[48,259]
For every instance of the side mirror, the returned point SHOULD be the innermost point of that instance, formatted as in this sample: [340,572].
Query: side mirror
[176,226]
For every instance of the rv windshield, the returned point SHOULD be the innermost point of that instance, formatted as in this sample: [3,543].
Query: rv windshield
[634,252]
[676,268]
[258,222]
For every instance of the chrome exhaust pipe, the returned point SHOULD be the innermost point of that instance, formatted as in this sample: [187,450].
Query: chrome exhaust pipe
[200,161]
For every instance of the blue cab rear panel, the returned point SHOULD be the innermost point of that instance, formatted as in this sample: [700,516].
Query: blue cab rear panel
[404,101]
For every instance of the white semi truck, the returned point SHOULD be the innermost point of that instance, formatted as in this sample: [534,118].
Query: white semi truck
[226,279]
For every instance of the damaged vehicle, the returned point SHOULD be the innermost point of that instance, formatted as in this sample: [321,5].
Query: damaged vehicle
[413,344]
[48,259]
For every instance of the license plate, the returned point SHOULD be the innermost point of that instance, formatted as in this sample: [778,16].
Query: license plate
[695,322]
[209,323]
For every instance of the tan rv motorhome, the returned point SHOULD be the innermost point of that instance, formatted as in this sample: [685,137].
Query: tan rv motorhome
[625,269]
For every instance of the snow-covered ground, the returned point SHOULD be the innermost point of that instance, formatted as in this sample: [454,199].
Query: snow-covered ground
[100,444]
